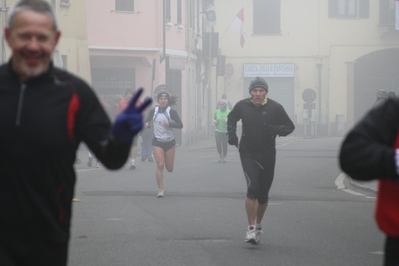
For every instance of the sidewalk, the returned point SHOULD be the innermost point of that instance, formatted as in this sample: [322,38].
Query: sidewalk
[201,145]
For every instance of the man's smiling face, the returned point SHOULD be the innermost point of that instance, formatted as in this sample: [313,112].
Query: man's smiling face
[32,39]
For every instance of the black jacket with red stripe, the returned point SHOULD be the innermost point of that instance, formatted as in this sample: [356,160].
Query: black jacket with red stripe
[42,123]
[368,152]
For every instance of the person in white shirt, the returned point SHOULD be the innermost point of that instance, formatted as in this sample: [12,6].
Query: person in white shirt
[163,119]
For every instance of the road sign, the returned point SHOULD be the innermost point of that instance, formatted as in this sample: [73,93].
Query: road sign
[228,70]
[309,95]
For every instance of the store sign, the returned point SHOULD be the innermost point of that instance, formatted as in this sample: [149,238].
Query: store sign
[269,70]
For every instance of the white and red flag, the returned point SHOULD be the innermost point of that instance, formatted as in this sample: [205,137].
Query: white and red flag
[238,26]
[397,14]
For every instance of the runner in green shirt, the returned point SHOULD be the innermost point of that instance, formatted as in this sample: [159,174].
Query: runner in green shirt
[220,122]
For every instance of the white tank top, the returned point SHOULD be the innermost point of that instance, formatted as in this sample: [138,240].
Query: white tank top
[162,133]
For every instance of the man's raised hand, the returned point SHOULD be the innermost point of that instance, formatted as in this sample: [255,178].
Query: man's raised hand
[130,121]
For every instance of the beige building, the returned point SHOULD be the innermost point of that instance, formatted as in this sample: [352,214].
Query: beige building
[335,54]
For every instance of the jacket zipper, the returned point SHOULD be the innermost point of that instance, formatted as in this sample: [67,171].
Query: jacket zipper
[20,104]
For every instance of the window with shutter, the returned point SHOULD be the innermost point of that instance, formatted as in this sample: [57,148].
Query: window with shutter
[168,11]
[348,8]
[179,12]
[266,16]
[387,12]
[124,5]
[364,8]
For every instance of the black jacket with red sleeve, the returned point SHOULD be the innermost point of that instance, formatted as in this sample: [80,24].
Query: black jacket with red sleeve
[42,124]
[368,152]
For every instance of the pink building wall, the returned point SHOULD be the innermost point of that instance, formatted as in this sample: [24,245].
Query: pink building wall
[107,27]
[132,40]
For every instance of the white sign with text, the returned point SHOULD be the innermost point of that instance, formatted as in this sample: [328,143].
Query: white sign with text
[269,70]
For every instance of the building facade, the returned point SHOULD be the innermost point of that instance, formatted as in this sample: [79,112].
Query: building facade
[151,44]
[324,60]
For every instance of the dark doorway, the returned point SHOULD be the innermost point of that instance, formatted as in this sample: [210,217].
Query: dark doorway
[113,80]
[374,71]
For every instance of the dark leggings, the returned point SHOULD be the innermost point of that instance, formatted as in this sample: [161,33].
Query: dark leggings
[259,175]
[221,142]
[391,251]
[22,253]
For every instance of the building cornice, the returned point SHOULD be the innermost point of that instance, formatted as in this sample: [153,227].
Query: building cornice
[178,53]
[123,48]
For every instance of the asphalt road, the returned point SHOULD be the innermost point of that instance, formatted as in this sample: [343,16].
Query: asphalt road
[314,217]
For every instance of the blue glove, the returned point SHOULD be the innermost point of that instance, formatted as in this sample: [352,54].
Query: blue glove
[128,123]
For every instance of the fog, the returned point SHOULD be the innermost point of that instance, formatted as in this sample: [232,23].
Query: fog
[324,61]
[198,50]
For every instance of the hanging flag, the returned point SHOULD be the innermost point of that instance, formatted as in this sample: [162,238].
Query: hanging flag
[397,14]
[238,26]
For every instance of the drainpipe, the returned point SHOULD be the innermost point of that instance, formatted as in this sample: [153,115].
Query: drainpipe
[164,32]
[319,66]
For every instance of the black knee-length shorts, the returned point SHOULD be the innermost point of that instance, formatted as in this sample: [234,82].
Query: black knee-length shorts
[259,174]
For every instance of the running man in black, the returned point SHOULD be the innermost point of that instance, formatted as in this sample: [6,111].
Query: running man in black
[262,120]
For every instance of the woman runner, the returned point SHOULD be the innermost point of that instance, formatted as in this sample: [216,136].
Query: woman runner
[164,119]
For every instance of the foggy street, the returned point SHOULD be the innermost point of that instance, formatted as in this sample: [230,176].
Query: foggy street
[202,221]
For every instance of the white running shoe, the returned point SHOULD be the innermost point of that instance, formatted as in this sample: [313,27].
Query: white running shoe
[160,193]
[251,237]
[132,165]
[258,233]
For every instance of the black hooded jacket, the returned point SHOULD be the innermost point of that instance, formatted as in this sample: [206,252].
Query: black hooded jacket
[260,125]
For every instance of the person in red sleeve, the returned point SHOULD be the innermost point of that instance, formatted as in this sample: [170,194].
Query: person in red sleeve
[371,151]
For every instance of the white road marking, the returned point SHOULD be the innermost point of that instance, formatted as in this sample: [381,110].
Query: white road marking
[353,192]
[339,182]
[114,219]
[377,252]
[84,170]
